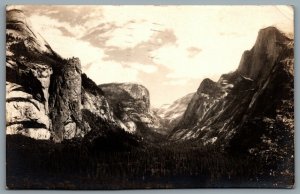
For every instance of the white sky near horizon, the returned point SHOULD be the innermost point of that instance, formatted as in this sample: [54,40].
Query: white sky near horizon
[168,49]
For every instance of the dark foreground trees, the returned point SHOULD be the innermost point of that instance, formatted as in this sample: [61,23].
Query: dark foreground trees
[109,165]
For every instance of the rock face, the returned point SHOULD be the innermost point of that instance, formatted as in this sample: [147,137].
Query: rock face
[93,99]
[171,114]
[47,97]
[250,108]
[96,105]
[131,104]
[206,96]
[259,61]
[65,99]
[28,79]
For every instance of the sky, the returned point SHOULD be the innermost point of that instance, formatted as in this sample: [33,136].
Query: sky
[168,49]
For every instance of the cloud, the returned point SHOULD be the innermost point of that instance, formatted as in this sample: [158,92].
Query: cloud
[193,51]
[100,34]
[130,33]
[66,46]
[65,31]
[43,24]
[207,64]
[109,71]
[162,47]
[72,20]
[142,52]
[72,14]
[100,37]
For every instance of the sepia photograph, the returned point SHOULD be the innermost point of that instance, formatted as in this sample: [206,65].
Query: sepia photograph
[110,97]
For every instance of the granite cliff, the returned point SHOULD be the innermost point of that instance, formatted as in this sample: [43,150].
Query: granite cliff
[236,132]
[47,96]
[131,104]
[251,109]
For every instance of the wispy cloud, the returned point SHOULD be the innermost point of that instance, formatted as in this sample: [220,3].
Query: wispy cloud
[193,51]
[100,34]
[65,31]
[71,14]
[142,52]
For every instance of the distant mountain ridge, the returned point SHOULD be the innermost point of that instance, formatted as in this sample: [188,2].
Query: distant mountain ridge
[171,114]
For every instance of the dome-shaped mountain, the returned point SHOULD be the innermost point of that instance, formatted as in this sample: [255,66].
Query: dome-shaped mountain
[258,62]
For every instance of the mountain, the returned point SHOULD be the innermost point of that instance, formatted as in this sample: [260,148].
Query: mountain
[131,104]
[236,132]
[250,109]
[171,114]
[48,97]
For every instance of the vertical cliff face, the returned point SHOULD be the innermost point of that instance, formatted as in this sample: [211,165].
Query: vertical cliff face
[97,112]
[94,101]
[47,97]
[65,99]
[28,78]
[241,102]
[43,90]
[259,61]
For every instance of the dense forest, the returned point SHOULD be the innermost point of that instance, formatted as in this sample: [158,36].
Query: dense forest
[124,161]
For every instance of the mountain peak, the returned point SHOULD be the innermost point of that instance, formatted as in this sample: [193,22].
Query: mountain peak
[15,15]
[20,32]
[261,58]
[208,86]
[223,107]
[270,35]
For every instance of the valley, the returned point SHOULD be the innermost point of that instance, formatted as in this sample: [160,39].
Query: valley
[63,131]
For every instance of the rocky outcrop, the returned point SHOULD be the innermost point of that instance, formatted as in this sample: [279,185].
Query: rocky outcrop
[247,101]
[65,99]
[47,97]
[43,89]
[259,61]
[170,114]
[208,94]
[27,79]
[131,104]
[96,104]
[93,99]
[250,109]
